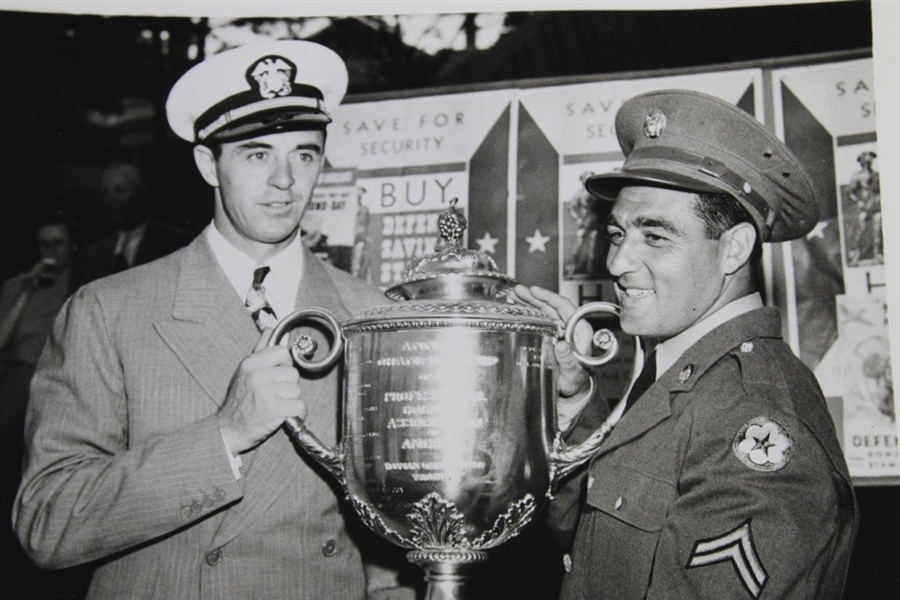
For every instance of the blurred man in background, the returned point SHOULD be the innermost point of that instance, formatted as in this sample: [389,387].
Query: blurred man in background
[138,237]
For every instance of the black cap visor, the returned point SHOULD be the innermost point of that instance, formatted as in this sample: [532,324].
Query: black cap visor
[274,121]
[608,185]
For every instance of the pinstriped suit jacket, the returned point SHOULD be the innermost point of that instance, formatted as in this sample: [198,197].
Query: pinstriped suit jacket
[125,463]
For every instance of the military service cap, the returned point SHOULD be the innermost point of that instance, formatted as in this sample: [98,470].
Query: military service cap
[257,89]
[698,143]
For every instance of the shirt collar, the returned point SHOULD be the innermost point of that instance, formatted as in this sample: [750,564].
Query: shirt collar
[668,352]
[286,266]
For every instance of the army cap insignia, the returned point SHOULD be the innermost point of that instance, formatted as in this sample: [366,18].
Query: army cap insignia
[655,123]
[763,444]
[271,76]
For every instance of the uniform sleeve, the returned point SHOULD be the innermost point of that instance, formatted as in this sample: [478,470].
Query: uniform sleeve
[86,491]
[760,512]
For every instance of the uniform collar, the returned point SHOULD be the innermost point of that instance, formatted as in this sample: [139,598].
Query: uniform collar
[668,352]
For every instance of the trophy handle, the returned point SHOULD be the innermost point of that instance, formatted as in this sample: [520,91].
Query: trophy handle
[301,350]
[565,459]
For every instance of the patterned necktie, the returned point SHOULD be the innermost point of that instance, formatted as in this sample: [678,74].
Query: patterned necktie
[256,303]
[643,382]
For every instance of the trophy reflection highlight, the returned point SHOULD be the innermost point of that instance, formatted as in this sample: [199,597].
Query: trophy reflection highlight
[449,442]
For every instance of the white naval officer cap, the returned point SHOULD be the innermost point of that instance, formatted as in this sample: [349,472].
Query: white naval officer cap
[257,89]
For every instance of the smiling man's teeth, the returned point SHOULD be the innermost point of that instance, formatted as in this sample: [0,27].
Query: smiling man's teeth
[632,293]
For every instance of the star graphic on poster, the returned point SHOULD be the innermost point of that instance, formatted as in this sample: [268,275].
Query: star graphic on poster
[487,244]
[818,231]
[537,242]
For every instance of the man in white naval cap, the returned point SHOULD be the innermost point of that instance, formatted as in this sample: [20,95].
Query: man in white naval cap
[724,477]
[153,442]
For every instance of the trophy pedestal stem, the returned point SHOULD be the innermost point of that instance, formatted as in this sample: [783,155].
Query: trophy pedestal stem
[447,571]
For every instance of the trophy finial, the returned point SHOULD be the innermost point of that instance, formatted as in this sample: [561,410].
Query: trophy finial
[451,225]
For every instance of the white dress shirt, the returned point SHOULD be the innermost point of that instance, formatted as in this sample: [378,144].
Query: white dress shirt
[282,281]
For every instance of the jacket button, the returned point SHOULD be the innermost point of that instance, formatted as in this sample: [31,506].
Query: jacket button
[218,495]
[208,502]
[196,507]
[214,557]
[186,512]
[329,548]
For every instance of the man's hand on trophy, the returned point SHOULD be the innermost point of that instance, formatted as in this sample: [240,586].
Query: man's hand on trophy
[574,379]
[264,391]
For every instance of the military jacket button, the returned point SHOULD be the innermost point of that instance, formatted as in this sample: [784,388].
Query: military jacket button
[329,548]
[214,557]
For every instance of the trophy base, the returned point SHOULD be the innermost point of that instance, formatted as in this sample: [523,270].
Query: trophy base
[446,571]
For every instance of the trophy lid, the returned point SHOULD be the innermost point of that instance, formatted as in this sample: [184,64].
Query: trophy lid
[451,272]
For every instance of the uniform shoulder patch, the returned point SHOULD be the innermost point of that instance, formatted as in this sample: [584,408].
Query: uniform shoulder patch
[735,547]
[763,444]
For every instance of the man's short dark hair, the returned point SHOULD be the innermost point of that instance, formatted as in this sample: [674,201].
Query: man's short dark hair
[721,212]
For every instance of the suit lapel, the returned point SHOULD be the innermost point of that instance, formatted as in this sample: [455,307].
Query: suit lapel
[276,464]
[211,330]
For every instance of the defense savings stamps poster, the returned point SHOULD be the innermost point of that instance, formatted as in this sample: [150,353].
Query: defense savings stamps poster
[839,310]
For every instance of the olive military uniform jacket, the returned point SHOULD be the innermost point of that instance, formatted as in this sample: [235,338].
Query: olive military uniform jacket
[125,462]
[724,480]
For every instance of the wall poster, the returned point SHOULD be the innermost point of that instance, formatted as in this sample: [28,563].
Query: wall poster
[394,166]
[566,134]
[516,159]
[838,311]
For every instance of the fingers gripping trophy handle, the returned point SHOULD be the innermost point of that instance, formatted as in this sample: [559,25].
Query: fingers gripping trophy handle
[302,350]
[565,459]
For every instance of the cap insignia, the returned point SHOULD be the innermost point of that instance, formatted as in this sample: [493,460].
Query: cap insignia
[655,123]
[763,444]
[272,76]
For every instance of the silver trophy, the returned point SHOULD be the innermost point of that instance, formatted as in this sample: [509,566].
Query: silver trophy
[449,443]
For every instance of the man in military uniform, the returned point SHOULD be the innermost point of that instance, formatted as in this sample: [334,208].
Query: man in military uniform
[723,478]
